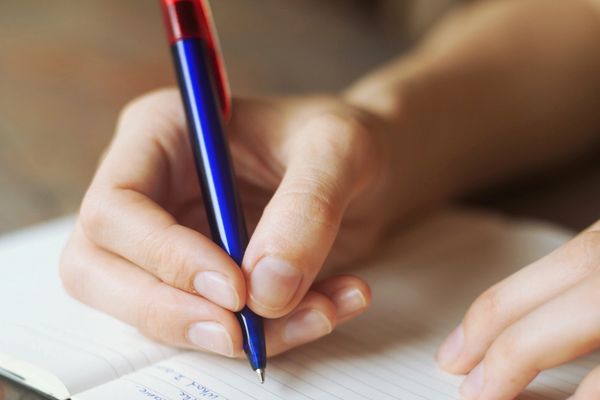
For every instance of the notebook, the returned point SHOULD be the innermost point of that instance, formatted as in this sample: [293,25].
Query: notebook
[422,282]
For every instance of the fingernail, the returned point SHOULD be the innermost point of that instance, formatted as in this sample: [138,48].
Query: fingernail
[274,282]
[211,336]
[451,348]
[472,387]
[348,301]
[305,326]
[217,288]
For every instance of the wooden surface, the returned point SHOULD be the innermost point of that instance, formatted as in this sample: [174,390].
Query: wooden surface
[67,67]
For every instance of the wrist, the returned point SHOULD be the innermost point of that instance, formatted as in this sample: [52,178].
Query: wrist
[418,171]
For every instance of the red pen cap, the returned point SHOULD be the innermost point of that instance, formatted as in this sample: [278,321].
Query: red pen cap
[192,19]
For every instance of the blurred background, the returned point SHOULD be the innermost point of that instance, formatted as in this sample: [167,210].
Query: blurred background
[67,67]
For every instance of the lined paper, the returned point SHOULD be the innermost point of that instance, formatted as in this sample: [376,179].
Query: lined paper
[45,328]
[421,287]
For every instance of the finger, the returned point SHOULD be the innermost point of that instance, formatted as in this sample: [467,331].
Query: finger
[350,295]
[121,213]
[516,296]
[561,330]
[121,289]
[336,300]
[134,227]
[299,225]
[594,227]
[589,387]
[150,150]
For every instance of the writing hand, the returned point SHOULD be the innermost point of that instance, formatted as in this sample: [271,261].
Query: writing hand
[310,173]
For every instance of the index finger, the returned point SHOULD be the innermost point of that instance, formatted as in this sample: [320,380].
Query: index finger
[123,210]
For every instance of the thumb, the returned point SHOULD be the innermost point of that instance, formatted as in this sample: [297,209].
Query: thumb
[328,164]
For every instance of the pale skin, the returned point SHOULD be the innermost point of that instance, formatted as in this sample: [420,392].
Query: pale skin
[499,90]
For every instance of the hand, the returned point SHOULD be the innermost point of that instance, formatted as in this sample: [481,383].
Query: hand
[312,175]
[544,315]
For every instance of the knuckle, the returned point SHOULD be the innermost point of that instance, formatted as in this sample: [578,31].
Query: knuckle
[143,105]
[134,108]
[160,316]
[149,320]
[179,277]
[513,358]
[344,136]
[165,262]
[161,112]
[504,352]
[333,127]
[485,312]
[308,201]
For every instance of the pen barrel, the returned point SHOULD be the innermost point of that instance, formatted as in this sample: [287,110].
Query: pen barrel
[211,151]
[213,163]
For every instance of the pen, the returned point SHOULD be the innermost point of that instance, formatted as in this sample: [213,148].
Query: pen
[205,93]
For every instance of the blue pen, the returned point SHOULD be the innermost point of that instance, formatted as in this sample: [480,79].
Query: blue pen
[205,94]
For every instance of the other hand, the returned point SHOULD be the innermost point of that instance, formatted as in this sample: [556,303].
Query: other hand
[540,317]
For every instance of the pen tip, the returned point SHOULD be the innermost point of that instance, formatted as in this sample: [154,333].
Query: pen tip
[261,375]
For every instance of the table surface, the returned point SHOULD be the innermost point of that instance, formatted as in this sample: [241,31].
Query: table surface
[68,67]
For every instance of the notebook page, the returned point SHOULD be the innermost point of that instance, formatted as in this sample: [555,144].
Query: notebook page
[46,333]
[421,285]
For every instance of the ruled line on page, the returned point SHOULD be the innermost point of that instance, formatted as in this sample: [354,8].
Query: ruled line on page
[240,371]
[423,384]
[405,356]
[315,379]
[51,338]
[317,376]
[88,343]
[415,364]
[364,376]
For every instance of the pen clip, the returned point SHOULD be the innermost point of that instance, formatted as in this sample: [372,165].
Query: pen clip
[216,57]
[187,19]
